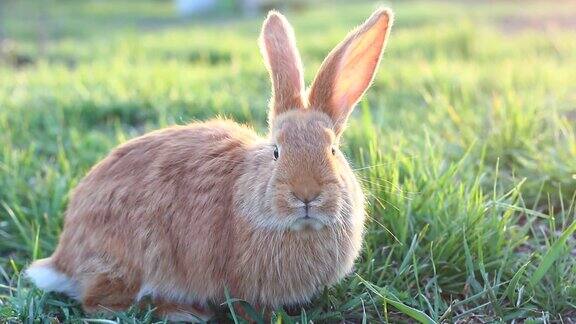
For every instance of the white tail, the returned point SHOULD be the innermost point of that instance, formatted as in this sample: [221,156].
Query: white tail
[46,277]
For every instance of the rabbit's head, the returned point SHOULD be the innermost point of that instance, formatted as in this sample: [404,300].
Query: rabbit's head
[309,184]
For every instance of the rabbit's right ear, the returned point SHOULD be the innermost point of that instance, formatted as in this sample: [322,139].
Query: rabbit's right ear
[283,62]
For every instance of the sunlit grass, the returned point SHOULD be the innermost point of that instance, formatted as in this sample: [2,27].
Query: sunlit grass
[465,145]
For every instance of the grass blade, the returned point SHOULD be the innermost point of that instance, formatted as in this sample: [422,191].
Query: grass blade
[414,313]
[552,255]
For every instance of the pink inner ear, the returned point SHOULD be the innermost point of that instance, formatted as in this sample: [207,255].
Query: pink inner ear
[347,71]
[358,65]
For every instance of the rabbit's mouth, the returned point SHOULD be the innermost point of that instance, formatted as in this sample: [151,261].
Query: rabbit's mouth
[307,223]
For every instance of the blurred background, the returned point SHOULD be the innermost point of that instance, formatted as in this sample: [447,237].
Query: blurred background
[465,144]
[28,29]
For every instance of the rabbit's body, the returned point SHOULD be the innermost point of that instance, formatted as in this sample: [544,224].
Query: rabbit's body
[182,214]
[168,225]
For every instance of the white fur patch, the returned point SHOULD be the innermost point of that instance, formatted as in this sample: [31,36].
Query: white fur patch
[145,290]
[47,278]
[306,223]
[185,317]
[167,292]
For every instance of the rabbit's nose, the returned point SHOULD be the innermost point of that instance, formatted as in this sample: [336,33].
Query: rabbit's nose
[306,190]
[306,201]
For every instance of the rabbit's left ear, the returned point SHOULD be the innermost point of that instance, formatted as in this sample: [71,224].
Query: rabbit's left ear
[349,69]
[283,62]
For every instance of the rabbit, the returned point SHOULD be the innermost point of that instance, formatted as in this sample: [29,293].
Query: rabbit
[181,215]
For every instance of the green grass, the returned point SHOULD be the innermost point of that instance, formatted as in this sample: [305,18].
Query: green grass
[466,145]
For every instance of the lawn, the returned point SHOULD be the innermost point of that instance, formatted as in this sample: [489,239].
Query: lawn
[465,144]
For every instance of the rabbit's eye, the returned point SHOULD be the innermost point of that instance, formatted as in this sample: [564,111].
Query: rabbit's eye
[333,150]
[275,152]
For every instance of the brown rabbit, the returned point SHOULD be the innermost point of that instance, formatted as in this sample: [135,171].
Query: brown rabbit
[181,214]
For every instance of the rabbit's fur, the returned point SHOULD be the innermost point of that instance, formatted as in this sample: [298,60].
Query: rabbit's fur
[181,214]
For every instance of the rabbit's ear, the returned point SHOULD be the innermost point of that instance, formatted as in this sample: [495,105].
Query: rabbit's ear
[348,70]
[283,62]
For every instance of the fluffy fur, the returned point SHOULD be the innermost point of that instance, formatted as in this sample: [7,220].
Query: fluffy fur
[180,214]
